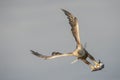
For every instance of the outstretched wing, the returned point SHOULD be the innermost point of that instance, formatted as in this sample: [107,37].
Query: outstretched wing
[54,55]
[74,26]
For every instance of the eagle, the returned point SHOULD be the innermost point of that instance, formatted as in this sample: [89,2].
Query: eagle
[80,52]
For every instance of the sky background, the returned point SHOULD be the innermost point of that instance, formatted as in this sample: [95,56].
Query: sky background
[41,26]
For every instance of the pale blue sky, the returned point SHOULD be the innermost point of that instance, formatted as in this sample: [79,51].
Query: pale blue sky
[40,25]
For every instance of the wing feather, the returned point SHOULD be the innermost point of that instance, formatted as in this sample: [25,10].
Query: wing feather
[50,57]
[74,26]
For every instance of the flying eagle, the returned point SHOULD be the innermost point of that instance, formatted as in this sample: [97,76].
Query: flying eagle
[80,52]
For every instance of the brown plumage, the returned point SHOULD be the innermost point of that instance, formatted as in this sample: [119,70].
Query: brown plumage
[74,26]
[80,52]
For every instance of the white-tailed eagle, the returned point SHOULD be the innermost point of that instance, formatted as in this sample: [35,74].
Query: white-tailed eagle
[80,52]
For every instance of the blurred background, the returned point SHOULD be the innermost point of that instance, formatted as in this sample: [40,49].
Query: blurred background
[40,25]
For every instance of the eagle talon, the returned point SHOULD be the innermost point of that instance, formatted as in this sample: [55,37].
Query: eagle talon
[99,66]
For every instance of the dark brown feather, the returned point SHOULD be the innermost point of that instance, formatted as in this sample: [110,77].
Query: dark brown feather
[74,26]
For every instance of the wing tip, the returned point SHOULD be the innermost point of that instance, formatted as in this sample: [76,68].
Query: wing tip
[65,11]
[35,53]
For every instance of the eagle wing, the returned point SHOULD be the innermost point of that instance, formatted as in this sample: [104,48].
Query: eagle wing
[74,26]
[52,56]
